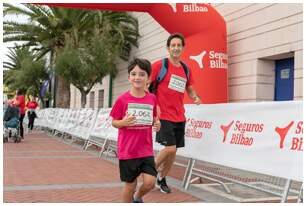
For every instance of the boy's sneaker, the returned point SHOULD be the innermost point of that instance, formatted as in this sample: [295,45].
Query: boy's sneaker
[137,200]
[162,184]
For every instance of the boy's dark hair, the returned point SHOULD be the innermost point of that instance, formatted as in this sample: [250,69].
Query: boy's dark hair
[176,35]
[143,64]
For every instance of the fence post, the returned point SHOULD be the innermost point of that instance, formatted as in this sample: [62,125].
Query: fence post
[186,173]
[189,173]
[300,197]
[286,191]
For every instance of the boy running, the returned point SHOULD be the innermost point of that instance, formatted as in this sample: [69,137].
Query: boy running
[134,113]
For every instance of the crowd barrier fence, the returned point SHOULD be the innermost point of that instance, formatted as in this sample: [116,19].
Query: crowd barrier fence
[265,138]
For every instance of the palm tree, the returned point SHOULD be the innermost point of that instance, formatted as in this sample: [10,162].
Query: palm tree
[24,71]
[49,29]
[89,62]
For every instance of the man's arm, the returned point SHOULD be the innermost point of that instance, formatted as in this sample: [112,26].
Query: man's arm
[193,95]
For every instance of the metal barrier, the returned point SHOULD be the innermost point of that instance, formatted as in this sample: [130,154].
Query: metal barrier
[273,185]
[199,169]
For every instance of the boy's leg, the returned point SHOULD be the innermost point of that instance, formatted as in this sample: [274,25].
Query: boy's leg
[128,191]
[128,174]
[147,185]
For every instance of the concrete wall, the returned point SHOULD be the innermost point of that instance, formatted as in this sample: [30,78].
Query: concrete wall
[258,34]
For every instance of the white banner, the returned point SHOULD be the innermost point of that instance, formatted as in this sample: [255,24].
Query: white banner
[262,137]
[86,119]
[103,126]
[72,121]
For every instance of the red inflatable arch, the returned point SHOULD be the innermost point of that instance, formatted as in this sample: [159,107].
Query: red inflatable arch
[205,32]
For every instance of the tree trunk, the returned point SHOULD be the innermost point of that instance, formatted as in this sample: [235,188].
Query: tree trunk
[83,99]
[62,98]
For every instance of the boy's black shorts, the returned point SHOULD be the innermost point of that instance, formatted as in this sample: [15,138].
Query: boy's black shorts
[171,133]
[130,169]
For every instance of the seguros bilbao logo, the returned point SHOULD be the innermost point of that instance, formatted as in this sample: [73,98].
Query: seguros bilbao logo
[217,60]
[296,140]
[242,132]
[190,8]
[194,127]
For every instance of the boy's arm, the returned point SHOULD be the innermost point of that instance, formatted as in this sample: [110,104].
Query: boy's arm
[127,121]
[193,95]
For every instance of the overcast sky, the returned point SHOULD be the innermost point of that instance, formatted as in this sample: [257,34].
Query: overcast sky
[14,18]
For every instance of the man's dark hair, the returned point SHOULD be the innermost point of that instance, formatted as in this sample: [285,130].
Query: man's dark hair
[143,64]
[176,35]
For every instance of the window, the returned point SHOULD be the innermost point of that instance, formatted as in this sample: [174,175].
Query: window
[101,98]
[92,100]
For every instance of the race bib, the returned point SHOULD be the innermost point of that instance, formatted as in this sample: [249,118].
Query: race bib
[177,83]
[142,112]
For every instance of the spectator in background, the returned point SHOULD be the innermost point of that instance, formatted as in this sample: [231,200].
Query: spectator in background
[5,105]
[31,106]
[10,120]
[20,102]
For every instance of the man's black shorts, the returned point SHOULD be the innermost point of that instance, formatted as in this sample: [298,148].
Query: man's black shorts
[130,169]
[171,133]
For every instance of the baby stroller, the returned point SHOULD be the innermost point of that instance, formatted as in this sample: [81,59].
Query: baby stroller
[11,124]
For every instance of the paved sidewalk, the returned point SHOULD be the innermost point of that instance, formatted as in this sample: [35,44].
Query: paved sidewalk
[47,169]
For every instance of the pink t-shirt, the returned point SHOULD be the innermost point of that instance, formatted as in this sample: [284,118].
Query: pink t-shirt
[135,141]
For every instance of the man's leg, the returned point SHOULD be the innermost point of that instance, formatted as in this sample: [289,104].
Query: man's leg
[163,155]
[179,130]
[164,167]
[167,165]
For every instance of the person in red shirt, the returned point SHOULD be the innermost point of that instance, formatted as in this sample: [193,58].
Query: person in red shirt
[170,95]
[31,106]
[20,102]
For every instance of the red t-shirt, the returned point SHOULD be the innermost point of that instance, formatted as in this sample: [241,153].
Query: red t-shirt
[170,91]
[135,141]
[32,105]
[21,104]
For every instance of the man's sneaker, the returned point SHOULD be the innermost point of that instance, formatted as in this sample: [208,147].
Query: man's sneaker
[137,200]
[162,184]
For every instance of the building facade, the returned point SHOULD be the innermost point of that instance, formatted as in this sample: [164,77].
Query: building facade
[265,54]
